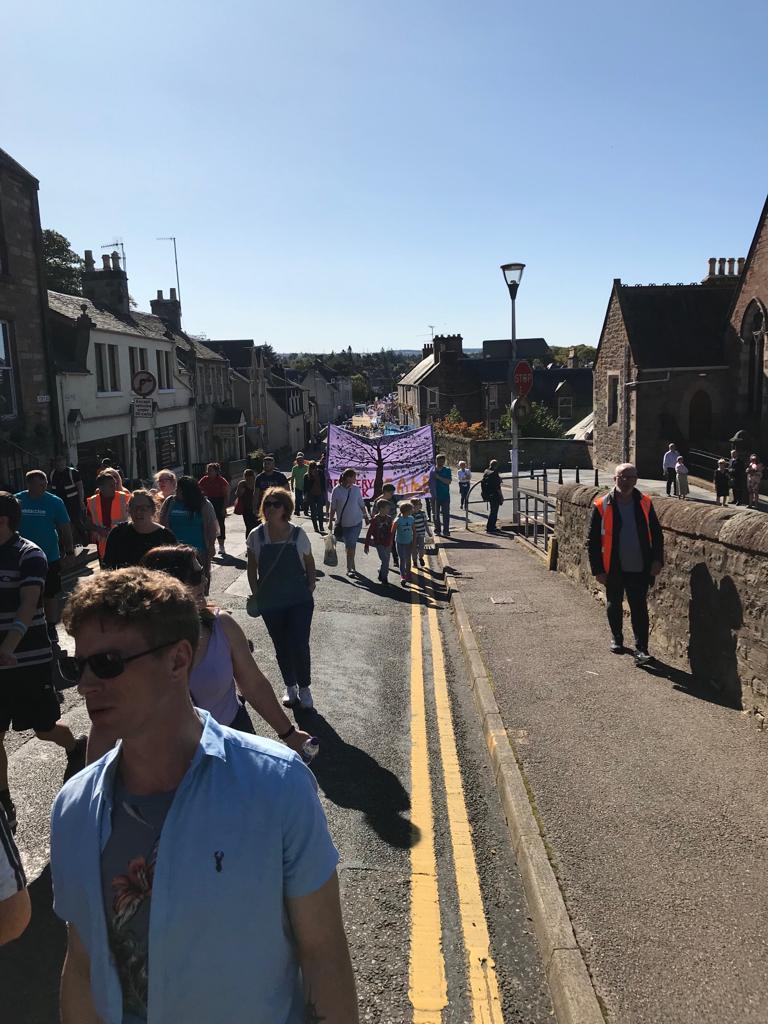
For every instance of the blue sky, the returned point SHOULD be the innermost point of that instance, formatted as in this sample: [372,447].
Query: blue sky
[345,173]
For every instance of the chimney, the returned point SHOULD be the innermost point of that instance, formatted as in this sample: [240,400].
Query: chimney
[712,261]
[169,310]
[573,360]
[740,265]
[721,267]
[731,262]
[107,287]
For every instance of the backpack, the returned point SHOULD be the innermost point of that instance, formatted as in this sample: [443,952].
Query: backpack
[485,488]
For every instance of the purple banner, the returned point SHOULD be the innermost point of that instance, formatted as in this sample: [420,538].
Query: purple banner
[404,460]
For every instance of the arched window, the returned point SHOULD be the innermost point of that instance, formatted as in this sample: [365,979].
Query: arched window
[753,335]
[700,417]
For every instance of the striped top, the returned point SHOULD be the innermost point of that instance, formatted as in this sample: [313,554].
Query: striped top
[420,523]
[12,878]
[23,564]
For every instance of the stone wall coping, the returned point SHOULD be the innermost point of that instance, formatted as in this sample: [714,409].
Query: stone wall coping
[739,528]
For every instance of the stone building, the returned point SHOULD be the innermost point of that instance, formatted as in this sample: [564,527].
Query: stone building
[331,392]
[29,425]
[661,372]
[479,387]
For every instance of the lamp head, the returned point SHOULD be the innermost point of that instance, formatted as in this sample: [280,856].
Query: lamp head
[513,273]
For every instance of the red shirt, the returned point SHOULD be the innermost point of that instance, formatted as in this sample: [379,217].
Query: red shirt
[214,486]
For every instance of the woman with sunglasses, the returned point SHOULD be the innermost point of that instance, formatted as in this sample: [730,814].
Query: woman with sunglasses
[281,573]
[127,543]
[223,666]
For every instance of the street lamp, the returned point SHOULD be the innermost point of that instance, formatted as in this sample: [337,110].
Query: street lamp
[513,273]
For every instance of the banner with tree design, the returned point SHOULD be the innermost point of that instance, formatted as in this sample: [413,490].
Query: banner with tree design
[404,460]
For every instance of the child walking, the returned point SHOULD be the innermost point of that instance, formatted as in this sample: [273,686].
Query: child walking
[421,529]
[722,482]
[380,535]
[465,478]
[402,530]
[755,470]
[681,472]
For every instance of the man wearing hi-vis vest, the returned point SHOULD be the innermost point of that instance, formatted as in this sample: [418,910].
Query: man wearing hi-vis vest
[106,508]
[626,553]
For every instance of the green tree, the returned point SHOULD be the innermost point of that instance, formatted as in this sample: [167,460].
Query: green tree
[63,267]
[541,424]
[585,353]
[360,390]
[454,416]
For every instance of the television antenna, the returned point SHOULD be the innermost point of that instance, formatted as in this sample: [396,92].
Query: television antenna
[118,244]
[172,238]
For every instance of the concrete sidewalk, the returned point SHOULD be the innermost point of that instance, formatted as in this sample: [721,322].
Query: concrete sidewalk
[651,796]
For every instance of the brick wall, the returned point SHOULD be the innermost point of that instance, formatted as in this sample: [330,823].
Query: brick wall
[709,606]
[611,360]
[22,305]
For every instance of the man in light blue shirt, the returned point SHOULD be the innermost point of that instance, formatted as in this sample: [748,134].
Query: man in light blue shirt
[192,863]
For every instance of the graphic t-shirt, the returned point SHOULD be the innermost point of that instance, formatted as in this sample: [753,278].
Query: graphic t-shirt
[39,519]
[127,874]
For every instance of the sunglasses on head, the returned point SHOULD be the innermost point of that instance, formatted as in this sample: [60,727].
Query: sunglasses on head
[107,665]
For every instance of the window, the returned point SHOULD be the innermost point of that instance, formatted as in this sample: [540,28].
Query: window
[114,368]
[7,384]
[107,368]
[493,396]
[433,398]
[565,408]
[101,368]
[613,398]
[164,379]
[133,361]
[142,359]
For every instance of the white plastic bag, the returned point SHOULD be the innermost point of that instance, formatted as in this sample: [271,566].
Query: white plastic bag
[330,557]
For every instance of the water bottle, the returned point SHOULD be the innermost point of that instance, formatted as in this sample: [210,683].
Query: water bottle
[310,749]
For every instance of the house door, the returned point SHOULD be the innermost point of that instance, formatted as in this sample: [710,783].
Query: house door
[700,417]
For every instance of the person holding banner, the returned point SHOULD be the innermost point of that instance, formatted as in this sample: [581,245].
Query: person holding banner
[440,489]
[347,512]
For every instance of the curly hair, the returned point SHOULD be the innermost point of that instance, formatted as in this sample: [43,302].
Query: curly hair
[153,602]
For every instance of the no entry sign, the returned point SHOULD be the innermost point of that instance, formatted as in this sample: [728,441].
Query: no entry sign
[523,378]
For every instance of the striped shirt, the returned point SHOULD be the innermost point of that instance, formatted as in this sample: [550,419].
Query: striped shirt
[23,564]
[12,878]
[420,523]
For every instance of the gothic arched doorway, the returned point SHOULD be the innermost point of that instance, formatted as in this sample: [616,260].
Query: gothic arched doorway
[700,417]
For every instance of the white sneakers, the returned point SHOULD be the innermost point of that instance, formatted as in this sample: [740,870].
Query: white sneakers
[298,696]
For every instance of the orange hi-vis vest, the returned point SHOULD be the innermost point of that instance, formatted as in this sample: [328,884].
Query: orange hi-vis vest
[119,515]
[604,506]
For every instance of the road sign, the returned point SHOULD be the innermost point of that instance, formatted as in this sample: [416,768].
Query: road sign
[144,383]
[521,410]
[523,378]
[143,407]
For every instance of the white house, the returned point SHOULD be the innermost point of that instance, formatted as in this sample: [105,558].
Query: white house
[99,345]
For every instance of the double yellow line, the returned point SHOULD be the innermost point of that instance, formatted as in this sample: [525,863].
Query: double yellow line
[428,991]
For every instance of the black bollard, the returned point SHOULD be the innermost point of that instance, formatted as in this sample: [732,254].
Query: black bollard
[578,481]
[560,473]
[597,478]
[532,473]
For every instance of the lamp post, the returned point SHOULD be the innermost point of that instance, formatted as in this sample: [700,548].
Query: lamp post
[513,273]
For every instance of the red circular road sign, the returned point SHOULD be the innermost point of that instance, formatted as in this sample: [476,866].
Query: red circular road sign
[523,378]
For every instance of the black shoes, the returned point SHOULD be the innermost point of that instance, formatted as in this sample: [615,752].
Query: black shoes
[617,645]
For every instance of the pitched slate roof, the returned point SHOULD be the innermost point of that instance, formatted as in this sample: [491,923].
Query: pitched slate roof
[326,372]
[7,161]
[527,348]
[676,324]
[224,415]
[238,352]
[417,374]
[576,381]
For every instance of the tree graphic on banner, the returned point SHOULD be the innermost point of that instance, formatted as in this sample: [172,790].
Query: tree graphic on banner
[413,450]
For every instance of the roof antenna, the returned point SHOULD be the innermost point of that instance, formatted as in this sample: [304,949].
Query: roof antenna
[114,245]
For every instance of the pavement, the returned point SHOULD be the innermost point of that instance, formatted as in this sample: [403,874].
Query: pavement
[388,673]
[649,794]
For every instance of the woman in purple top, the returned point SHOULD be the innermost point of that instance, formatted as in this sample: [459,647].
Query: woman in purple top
[223,668]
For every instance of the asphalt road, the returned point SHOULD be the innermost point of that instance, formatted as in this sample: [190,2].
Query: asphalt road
[374,672]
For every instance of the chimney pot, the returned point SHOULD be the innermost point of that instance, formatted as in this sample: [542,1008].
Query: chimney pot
[160,294]
[115,261]
[105,262]
[173,295]
[712,261]
[89,264]
[740,265]
[721,266]
[731,262]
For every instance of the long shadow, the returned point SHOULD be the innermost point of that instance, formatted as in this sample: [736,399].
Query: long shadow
[466,544]
[30,967]
[230,561]
[350,777]
[715,613]
[686,683]
[393,591]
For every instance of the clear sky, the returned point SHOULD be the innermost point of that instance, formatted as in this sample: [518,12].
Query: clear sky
[339,172]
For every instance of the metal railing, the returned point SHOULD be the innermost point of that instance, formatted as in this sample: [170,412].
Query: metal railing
[535,515]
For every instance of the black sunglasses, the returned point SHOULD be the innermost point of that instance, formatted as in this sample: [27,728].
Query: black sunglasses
[107,665]
[272,504]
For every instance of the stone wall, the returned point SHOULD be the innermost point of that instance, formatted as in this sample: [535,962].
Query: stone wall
[613,360]
[709,606]
[23,305]
[549,451]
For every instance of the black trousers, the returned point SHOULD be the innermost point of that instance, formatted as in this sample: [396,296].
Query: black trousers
[220,508]
[671,480]
[635,586]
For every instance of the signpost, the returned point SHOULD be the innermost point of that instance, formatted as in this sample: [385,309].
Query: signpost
[144,383]
[143,407]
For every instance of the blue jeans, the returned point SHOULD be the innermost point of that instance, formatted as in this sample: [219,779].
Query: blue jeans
[298,498]
[289,629]
[404,554]
[351,536]
[463,491]
[443,511]
[384,554]
[317,511]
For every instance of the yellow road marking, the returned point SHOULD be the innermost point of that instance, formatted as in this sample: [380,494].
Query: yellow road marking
[427,990]
[484,991]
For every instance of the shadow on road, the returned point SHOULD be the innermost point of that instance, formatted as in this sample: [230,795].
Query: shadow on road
[30,967]
[689,684]
[350,777]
